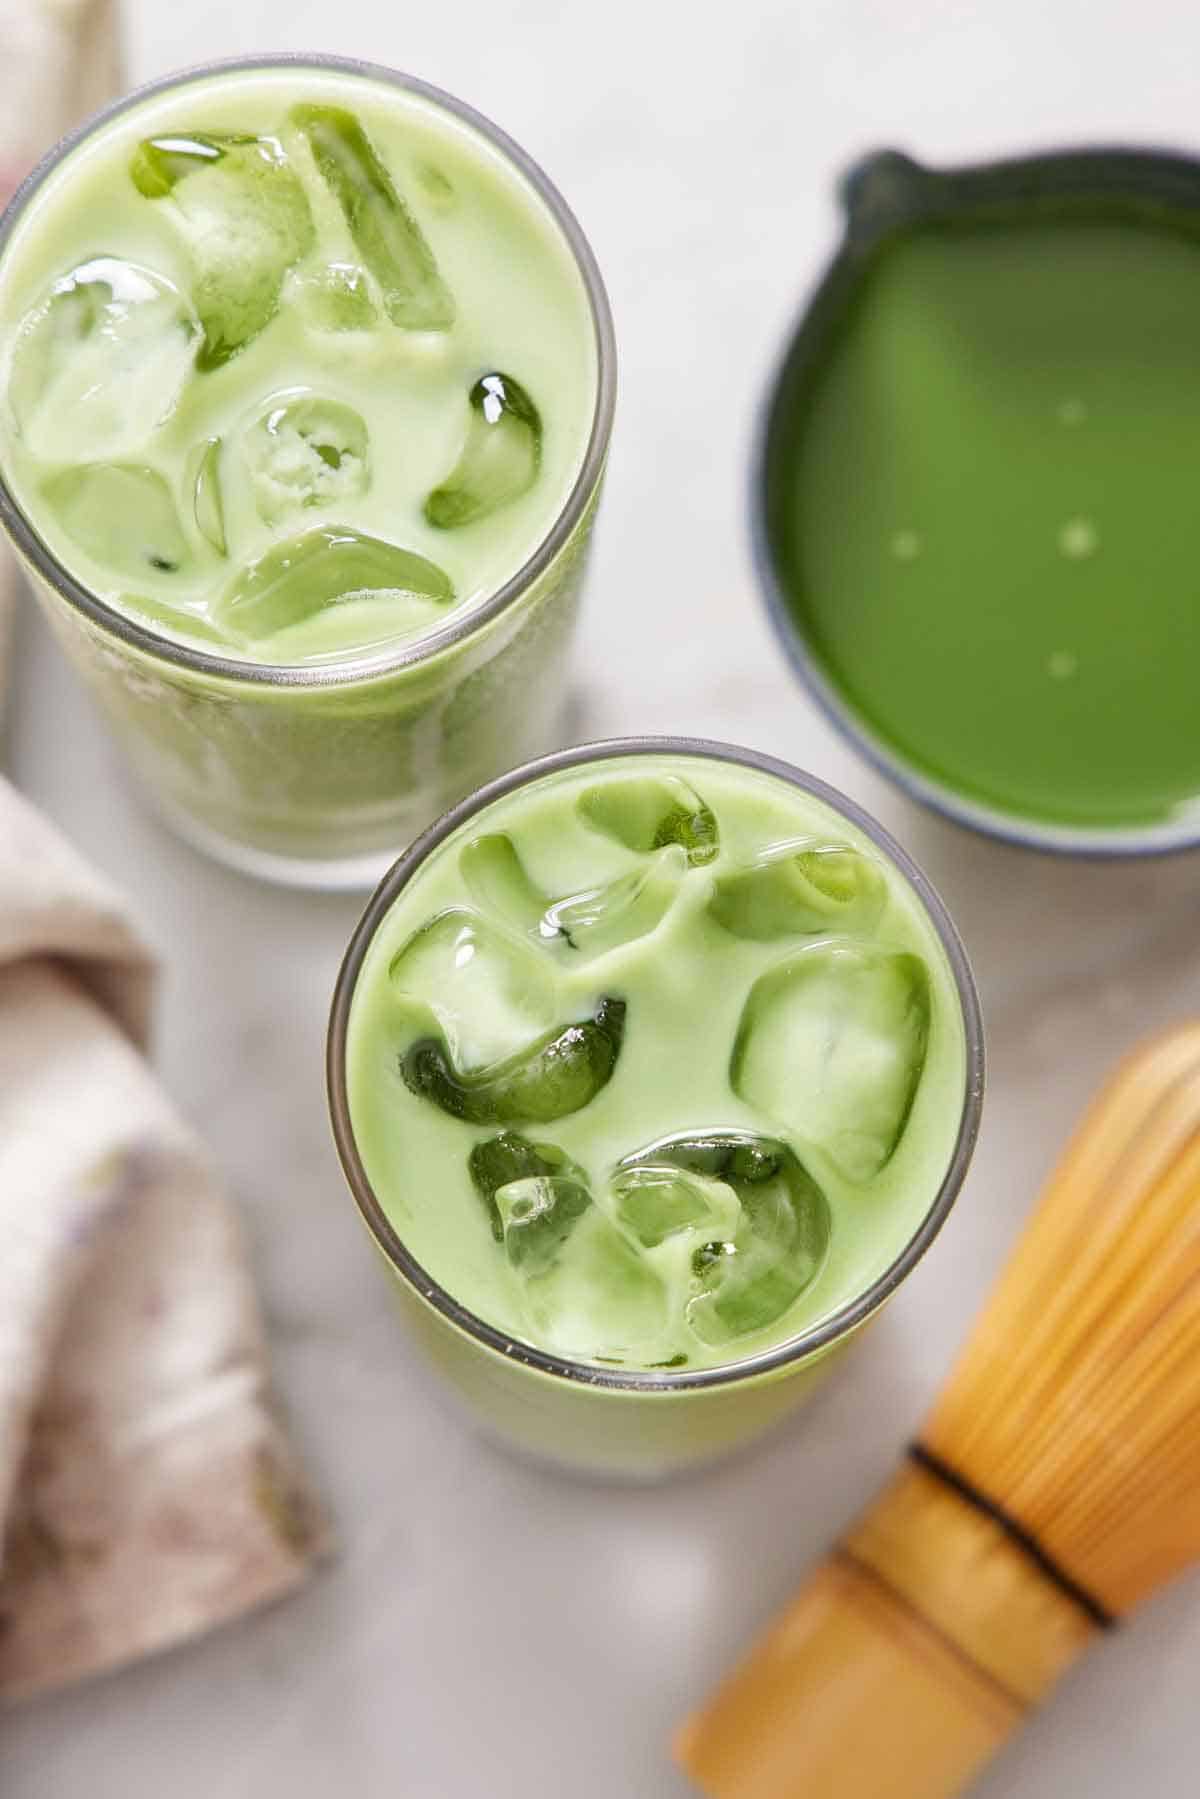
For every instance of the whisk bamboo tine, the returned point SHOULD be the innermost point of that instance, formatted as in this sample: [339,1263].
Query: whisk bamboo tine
[1055,1484]
[1052,1261]
[1074,1247]
[1137,1355]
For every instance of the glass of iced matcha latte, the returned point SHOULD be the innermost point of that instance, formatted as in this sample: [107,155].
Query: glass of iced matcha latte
[654,1067]
[306,383]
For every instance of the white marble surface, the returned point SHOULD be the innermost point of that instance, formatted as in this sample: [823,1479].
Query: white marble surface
[487,1630]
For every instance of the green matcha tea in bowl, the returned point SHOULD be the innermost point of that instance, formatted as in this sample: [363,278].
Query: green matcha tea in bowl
[306,384]
[654,1068]
[974,497]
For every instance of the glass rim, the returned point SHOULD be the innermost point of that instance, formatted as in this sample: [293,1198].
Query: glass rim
[1097,172]
[796,1349]
[363,667]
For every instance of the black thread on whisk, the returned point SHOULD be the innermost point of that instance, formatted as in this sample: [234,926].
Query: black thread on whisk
[1024,1540]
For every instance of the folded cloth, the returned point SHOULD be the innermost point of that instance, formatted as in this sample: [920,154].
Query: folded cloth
[147,1487]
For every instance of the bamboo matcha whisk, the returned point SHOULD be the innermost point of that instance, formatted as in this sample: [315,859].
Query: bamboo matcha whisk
[1055,1485]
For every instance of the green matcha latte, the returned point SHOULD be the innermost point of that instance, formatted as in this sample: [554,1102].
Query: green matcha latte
[656,1064]
[303,413]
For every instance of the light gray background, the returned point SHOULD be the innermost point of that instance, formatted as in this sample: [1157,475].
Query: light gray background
[489,1632]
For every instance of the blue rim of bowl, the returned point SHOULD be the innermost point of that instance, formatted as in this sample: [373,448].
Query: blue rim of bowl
[881,194]
[846,1319]
[467,622]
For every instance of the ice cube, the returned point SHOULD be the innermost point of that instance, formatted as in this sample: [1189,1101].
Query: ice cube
[303,451]
[655,1201]
[595,1296]
[158,163]
[487,993]
[500,457]
[557,1074]
[590,922]
[832,1043]
[332,566]
[336,298]
[538,1214]
[776,1254]
[603,918]
[179,620]
[497,880]
[245,220]
[385,233]
[647,812]
[763,1237]
[500,1161]
[798,889]
[122,515]
[203,477]
[100,361]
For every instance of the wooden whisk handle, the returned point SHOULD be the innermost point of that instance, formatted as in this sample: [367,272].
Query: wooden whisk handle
[917,1648]
[1057,1480]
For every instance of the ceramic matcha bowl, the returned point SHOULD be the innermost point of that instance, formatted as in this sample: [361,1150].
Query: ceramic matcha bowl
[973,492]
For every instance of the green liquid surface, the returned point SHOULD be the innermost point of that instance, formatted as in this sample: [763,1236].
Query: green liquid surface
[986,515]
[295,363]
[656,1062]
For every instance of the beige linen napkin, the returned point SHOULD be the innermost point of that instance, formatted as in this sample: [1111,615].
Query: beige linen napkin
[147,1488]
